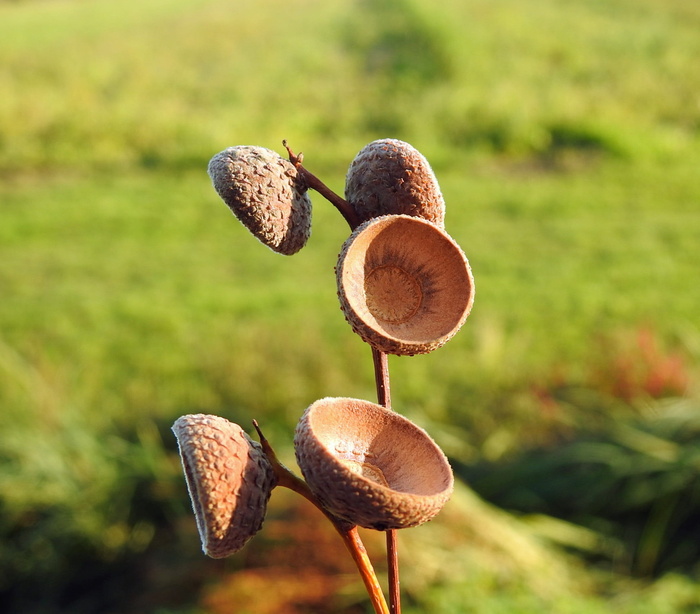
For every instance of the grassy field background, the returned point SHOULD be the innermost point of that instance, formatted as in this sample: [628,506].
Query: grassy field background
[566,138]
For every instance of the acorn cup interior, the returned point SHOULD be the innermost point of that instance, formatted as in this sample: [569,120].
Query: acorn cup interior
[371,466]
[404,285]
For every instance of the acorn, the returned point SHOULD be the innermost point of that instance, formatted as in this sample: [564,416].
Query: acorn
[229,480]
[266,193]
[371,466]
[404,285]
[392,177]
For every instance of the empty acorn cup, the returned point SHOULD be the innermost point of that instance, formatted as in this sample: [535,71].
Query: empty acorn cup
[229,480]
[266,193]
[404,285]
[392,177]
[371,466]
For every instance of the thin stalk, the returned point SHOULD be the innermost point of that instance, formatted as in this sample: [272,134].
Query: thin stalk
[359,554]
[313,182]
[347,531]
[381,378]
[392,558]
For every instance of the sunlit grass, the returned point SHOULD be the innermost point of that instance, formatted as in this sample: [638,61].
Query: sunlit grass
[496,78]
[564,136]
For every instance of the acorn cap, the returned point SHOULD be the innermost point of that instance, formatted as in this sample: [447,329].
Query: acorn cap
[229,480]
[266,193]
[392,177]
[371,466]
[404,285]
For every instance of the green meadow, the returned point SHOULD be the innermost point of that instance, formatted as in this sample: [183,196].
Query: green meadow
[565,135]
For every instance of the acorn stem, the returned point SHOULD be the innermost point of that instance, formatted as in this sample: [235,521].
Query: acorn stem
[313,182]
[284,476]
[359,554]
[348,532]
[392,558]
[381,378]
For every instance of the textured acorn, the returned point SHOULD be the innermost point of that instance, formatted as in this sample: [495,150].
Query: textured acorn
[229,480]
[266,193]
[371,466]
[404,285]
[392,177]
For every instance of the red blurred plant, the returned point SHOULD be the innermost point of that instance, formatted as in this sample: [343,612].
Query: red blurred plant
[642,367]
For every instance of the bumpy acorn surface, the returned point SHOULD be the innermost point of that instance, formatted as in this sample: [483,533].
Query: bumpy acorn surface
[371,466]
[389,176]
[229,480]
[266,193]
[404,285]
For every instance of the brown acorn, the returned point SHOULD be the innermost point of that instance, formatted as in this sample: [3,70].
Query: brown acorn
[229,480]
[392,177]
[404,285]
[371,466]
[266,193]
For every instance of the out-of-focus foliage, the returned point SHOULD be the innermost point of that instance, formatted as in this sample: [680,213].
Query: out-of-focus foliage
[565,135]
[164,83]
[635,483]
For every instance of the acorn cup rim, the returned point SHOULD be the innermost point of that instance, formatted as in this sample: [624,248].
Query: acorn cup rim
[394,416]
[439,325]
[412,494]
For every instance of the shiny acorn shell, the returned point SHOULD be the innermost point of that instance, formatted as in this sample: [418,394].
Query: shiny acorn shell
[229,480]
[371,466]
[266,193]
[388,177]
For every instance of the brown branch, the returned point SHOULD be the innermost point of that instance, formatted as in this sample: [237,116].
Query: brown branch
[392,558]
[381,378]
[347,531]
[313,182]
[359,555]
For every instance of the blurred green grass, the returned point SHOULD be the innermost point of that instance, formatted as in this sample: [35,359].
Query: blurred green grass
[565,136]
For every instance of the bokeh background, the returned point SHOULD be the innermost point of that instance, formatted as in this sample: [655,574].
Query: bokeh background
[566,138]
